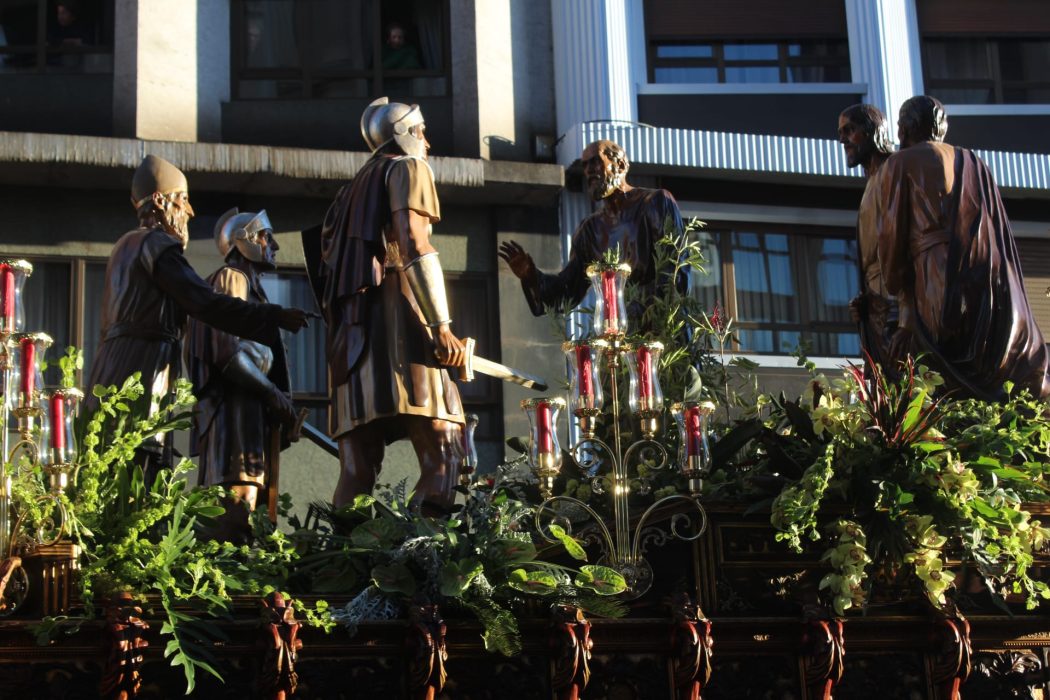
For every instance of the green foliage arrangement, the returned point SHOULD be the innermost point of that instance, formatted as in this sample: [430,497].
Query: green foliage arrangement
[481,561]
[924,480]
[144,540]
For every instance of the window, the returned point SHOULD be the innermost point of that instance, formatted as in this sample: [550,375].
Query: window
[802,61]
[978,70]
[62,36]
[319,49]
[783,287]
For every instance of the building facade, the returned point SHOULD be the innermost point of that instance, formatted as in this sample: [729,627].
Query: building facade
[732,106]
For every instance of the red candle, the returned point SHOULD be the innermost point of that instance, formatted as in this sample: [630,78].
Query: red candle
[28,370]
[645,378]
[544,441]
[7,304]
[693,434]
[610,299]
[584,368]
[58,423]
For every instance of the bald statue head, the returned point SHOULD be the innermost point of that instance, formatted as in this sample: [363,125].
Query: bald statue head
[605,169]
[864,134]
[922,118]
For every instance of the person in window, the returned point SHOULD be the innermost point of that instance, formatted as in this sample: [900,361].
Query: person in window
[948,254]
[630,218]
[241,385]
[389,327]
[68,30]
[397,54]
[865,138]
[150,290]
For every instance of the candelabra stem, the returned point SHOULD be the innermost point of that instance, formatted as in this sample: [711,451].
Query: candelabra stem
[5,479]
[620,483]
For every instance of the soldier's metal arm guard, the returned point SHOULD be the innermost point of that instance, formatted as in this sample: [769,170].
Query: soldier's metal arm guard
[428,285]
[240,370]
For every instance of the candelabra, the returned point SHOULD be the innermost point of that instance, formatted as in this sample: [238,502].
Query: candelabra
[45,437]
[609,467]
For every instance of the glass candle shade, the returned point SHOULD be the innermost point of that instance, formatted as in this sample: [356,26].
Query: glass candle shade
[692,418]
[57,441]
[26,352]
[469,463]
[13,274]
[645,397]
[610,312]
[544,449]
[585,385]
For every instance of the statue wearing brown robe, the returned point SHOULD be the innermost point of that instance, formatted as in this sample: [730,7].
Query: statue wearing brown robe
[630,218]
[948,254]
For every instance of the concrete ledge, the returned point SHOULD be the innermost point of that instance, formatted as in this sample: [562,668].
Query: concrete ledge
[103,162]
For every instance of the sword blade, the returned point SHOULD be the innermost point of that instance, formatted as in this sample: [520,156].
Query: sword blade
[508,374]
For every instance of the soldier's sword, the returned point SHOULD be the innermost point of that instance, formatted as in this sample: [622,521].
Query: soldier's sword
[489,368]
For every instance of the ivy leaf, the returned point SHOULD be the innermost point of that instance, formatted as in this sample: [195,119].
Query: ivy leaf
[571,544]
[378,533]
[509,552]
[537,582]
[601,579]
[456,577]
[394,578]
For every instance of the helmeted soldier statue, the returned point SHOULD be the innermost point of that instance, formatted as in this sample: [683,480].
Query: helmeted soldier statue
[383,297]
[151,288]
[241,385]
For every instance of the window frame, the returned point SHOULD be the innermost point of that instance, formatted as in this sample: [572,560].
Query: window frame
[995,83]
[783,62]
[307,74]
[803,272]
[41,50]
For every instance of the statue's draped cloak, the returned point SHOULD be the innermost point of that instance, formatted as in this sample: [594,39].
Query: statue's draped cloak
[150,289]
[946,250]
[641,222]
[231,428]
[380,353]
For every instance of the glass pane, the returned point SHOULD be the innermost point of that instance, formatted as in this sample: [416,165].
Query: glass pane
[819,49]
[750,52]
[765,285]
[1024,60]
[836,278]
[46,299]
[685,51]
[818,74]
[753,74]
[342,35]
[1026,95]
[268,89]
[685,75]
[957,58]
[412,38]
[964,96]
[706,286]
[787,341]
[94,285]
[18,27]
[754,340]
[306,348]
[268,38]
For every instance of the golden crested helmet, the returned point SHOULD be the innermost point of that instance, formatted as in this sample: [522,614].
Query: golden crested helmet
[384,121]
[241,231]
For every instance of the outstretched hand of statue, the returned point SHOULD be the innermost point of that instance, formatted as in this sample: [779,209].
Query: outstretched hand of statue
[294,320]
[448,349]
[517,259]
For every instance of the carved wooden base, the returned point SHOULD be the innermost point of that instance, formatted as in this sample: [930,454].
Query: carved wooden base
[570,646]
[123,639]
[823,656]
[950,661]
[279,632]
[691,649]
[427,653]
